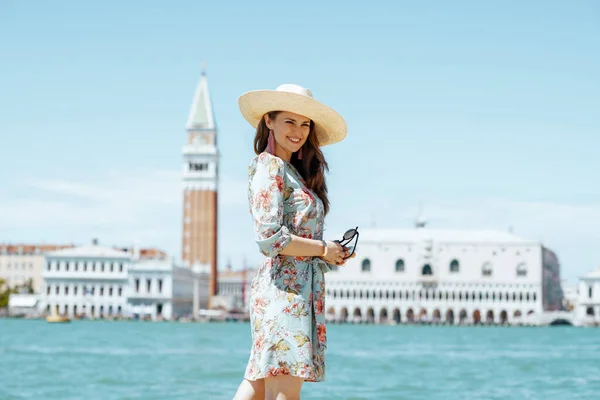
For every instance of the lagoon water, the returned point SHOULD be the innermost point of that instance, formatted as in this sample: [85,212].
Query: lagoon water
[105,360]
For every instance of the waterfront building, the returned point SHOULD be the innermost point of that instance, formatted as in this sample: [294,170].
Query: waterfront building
[571,296]
[160,289]
[21,263]
[445,276]
[200,179]
[234,289]
[588,305]
[89,280]
[24,305]
[96,281]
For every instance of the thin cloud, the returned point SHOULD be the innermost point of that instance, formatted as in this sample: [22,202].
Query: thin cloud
[116,198]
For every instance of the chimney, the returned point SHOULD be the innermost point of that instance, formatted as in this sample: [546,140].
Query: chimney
[95,241]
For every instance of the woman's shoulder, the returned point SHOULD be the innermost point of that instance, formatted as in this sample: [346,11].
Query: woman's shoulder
[268,160]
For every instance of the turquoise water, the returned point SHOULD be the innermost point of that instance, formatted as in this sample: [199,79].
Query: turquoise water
[95,360]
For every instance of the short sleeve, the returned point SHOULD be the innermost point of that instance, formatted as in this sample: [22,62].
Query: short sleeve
[265,193]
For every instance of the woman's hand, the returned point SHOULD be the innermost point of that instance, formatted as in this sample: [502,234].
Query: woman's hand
[336,253]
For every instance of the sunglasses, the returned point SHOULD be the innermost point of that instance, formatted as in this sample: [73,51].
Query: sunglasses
[349,237]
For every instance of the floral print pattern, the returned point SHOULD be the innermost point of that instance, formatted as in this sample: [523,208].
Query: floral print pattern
[287,307]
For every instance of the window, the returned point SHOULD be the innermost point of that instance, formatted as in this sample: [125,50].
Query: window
[75,290]
[366,265]
[454,267]
[400,265]
[110,291]
[120,291]
[589,311]
[590,292]
[486,269]
[48,289]
[427,270]
[120,267]
[148,285]
[101,290]
[194,166]
[160,283]
[521,269]
[47,266]
[66,290]
[137,285]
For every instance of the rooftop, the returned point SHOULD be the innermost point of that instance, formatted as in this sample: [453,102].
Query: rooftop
[593,275]
[90,250]
[465,236]
[30,249]
[201,113]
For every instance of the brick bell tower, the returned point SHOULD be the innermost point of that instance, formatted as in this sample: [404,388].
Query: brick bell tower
[200,185]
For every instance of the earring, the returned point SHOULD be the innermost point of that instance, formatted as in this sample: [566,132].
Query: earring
[271,143]
[300,154]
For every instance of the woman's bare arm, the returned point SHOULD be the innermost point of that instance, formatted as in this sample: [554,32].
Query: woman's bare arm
[302,247]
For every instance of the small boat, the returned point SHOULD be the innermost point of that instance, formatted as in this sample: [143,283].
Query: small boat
[56,318]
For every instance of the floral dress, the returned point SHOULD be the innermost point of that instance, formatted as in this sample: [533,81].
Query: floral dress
[287,298]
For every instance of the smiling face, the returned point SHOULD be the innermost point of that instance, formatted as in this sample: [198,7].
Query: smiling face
[290,131]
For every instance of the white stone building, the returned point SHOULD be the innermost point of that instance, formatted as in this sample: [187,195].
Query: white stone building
[95,281]
[88,281]
[588,307]
[444,276]
[161,289]
[21,263]
[570,296]
[234,289]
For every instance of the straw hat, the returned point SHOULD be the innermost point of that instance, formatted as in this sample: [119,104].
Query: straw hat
[330,127]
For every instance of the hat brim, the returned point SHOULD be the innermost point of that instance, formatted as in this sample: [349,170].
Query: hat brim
[330,126]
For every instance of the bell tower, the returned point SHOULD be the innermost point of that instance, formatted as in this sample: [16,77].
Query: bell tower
[200,185]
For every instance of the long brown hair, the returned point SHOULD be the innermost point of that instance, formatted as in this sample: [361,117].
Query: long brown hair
[312,167]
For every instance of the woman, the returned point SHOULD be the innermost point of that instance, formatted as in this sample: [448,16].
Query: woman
[288,202]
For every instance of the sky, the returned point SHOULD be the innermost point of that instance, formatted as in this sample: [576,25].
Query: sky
[487,113]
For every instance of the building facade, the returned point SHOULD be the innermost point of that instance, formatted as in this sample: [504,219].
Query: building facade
[444,276]
[21,263]
[159,289]
[234,289]
[87,281]
[95,281]
[588,305]
[200,185]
